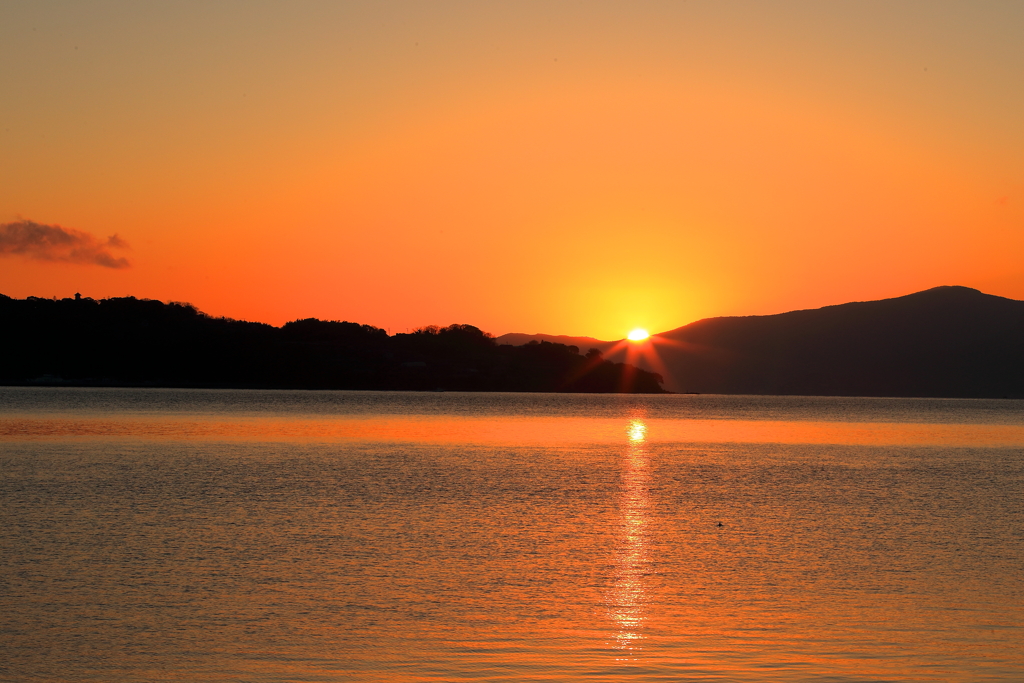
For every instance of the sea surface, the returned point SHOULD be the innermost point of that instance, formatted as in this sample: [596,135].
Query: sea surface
[209,535]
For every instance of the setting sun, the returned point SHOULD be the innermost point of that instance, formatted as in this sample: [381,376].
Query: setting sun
[638,335]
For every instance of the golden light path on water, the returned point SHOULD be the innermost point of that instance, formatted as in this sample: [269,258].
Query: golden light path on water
[629,593]
[498,430]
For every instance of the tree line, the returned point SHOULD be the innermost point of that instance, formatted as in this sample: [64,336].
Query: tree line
[140,342]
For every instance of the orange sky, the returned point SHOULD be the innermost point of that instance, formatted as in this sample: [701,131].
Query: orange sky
[569,168]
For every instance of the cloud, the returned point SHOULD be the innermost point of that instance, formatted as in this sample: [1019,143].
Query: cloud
[54,243]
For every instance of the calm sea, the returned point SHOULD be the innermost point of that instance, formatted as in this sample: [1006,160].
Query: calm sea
[184,535]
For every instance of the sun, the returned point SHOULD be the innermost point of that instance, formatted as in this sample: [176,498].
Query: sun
[638,335]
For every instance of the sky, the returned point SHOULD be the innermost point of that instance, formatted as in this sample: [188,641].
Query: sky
[576,168]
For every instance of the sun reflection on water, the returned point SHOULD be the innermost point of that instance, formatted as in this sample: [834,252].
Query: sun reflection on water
[629,592]
[637,431]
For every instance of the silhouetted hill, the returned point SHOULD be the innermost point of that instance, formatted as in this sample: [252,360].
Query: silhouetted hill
[127,341]
[946,341]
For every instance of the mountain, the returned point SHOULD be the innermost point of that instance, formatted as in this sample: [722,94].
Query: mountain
[946,341]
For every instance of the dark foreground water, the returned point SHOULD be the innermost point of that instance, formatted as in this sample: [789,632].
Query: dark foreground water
[156,535]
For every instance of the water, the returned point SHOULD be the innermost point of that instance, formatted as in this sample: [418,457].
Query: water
[156,535]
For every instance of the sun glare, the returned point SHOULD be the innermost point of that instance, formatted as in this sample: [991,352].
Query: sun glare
[638,335]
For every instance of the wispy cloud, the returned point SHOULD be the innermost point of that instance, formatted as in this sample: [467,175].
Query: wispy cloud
[54,243]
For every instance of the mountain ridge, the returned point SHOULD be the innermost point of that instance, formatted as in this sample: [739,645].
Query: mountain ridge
[944,341]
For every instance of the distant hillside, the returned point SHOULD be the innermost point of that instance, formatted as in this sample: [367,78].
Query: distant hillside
[584,344]
[946,341]
[127,341]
